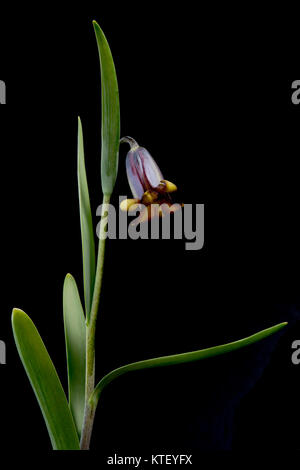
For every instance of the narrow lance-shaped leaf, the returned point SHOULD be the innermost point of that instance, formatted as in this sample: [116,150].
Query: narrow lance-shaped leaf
[74,322]
[87,232]
[45,383]
[110,114]
[182,358]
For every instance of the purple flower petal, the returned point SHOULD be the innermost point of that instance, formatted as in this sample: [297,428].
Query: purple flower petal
[142,172]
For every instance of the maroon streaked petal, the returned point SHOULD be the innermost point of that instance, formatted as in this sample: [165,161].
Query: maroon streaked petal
[142,172]
[134,175]
[151,170]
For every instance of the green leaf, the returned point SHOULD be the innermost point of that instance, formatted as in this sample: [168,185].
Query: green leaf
[110,114]
[87,232]
[45,383]
[74,322]
[182,358]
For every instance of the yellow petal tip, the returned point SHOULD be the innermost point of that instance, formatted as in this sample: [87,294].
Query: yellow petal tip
[127,203]
[169,187]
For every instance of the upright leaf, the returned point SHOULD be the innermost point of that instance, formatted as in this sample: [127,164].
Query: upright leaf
[45,383]
[74,322]
[87,232]
[110,114]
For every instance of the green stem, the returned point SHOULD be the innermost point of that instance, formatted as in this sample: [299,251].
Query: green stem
[89,412]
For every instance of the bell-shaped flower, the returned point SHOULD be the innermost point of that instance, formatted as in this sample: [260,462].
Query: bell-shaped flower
[150,190]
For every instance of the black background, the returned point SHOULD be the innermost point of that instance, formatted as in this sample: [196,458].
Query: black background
[210,105]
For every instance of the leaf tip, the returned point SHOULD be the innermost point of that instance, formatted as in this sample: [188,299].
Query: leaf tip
[68,279]
[17,317]
[97,29]
[278,327]
[16,313]
[281,325]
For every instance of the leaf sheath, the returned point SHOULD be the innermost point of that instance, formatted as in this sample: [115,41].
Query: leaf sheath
[74,323]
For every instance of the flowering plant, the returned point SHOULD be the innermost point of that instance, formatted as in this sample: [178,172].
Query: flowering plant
[70,421]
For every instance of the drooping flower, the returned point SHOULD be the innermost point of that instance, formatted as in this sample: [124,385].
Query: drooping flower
[151,192]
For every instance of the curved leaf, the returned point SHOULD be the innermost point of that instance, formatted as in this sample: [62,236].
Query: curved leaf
[182,358]
[74,322]
[86,222]
[45,383]
[110,114]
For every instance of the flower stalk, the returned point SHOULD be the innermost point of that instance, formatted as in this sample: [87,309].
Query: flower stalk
[89,412]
